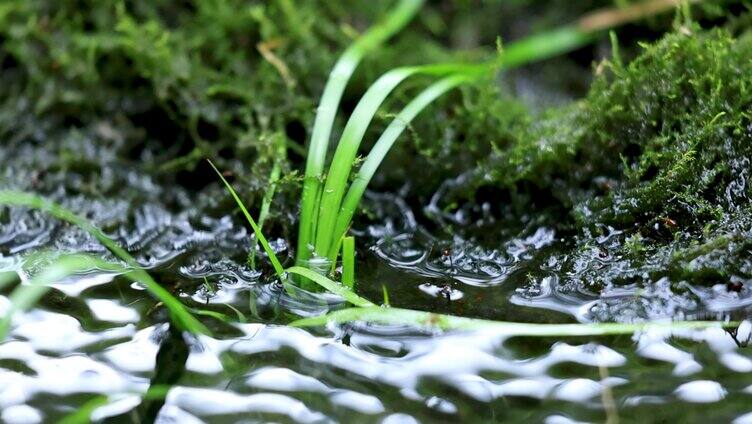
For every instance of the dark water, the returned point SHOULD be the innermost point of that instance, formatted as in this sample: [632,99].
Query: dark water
[98,337]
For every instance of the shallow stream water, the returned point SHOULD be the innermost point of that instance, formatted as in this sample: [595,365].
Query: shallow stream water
[96,340]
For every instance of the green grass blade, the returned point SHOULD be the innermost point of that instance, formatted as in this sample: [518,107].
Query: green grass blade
[82,415]
[385,294]
[347,149]
[348,262]
[7,278]
[19,198]
[178,312]
[256,229]
[274,176]
[542,46]
[25,296]
[331,285]
[382,147]
[352,136]
[368,312]
[581,33]
[397,316]
[322,127]
[266,202]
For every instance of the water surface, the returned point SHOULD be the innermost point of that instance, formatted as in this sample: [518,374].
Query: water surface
[96,339]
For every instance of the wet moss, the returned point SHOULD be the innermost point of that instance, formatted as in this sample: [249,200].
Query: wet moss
[653,165]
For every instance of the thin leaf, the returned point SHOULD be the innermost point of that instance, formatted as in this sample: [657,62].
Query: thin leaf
[397,316]
[266,202]
[331,285]
[348,262]
[178,312]
[385,294]
[542,46]
[26,296]
[256,229]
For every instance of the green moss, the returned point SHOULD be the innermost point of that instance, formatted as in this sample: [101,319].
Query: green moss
[653,164]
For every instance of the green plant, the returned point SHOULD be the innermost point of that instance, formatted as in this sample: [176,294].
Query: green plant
[348,262]
[327,110]
[367,311]
[70,265]
[326,212]
[256,229]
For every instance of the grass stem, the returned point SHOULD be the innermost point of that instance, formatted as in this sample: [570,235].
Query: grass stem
[348,261]
[256,229]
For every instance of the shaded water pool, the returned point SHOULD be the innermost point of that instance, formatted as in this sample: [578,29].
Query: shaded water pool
[101,344]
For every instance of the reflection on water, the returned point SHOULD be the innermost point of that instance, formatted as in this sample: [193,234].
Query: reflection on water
[275,372]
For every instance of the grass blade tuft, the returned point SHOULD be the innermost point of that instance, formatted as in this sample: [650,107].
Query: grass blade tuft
[330,99]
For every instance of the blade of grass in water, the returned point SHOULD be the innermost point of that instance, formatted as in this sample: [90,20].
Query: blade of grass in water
[83,414]
[178,312]
[256,229]
[7,278]
[331,285]
[25,296]
[382,147]
[397,316]
[367,311]
[322,127]
[18,198]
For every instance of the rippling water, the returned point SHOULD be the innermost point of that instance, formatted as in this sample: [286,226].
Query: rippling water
[98,338]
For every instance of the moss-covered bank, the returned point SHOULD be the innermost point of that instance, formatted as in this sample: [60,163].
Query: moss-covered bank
[651,168]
